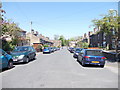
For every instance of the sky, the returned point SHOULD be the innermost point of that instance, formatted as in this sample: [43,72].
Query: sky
[69,19]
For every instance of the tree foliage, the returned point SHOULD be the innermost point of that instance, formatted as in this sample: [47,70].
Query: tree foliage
[9,30]
[82,44]
[62,40]
[108,23]
[56,37]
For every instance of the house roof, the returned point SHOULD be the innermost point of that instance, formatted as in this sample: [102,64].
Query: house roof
[23,30]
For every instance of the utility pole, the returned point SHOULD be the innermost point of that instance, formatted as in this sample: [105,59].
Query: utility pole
[30,32]
[31,25]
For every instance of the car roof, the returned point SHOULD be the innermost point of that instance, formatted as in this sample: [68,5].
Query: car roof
[77,48]
[23,46]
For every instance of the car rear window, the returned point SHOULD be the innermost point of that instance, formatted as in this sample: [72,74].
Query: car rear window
[21,49]
[94,52]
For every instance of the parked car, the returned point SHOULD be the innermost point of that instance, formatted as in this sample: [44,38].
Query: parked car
[47,50]
[69,48]
[72,50]
[6,60]
[58,48]
[52,49]
[23,54]
[76,52]
[91,56]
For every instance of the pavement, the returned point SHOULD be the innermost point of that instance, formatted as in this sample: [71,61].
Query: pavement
[60,70]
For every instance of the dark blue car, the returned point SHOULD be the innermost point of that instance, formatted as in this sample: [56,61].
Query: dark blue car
[76,52]
[6,60]
[91,56]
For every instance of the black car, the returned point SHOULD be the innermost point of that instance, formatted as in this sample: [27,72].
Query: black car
[71,50]
[76,52]
[23,54]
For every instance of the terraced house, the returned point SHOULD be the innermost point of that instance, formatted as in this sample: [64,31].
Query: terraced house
[100,39]
[38,40]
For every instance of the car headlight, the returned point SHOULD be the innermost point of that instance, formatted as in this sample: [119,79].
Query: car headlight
[21,56]
[14,57]
[76,53]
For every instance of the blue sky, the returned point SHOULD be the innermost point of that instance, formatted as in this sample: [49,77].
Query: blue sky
[62,18]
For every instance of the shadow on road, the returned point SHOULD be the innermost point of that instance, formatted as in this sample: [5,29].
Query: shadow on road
[6,69]
[111,60]
[23,63]
[90,66]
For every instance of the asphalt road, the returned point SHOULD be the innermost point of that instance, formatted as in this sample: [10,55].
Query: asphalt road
[59,70]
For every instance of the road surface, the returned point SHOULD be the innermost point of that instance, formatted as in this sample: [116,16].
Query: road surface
[59,70]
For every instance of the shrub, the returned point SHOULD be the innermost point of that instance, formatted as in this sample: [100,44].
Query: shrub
[45,46]
[39,48]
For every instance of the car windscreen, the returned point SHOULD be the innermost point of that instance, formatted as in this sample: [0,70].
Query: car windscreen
[17,49]
[94,52]
[77,50]
[0,52]
[46,48]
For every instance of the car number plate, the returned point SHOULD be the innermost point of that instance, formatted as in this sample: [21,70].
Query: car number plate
[14,59]
[95,61]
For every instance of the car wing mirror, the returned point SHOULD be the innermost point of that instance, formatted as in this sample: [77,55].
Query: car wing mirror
[4,54]
[8,52]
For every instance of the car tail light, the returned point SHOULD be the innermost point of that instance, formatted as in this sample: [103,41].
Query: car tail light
[103,57]
[86,56]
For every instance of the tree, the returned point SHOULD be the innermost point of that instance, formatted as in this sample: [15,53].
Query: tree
[62,40]
[82,44]
[9,29]
[109,24]
[56,37]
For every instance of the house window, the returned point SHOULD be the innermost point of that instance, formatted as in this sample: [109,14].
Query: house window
[113,44]
[98,44]
[104,36]
[119,44]
[104,44]
[98,36]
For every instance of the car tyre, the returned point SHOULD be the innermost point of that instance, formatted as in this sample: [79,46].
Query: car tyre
[10,64]
[83,64]
[27,60]
[78,59]
[34,57]
[102,66]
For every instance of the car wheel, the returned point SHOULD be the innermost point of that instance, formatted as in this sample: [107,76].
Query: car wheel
[83,64]
[77,59]
[27,60]
[34,57]
[102,66]
[10,64]
[74,56]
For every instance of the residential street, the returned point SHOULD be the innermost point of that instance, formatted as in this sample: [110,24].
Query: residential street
[59,70]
